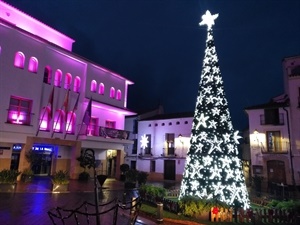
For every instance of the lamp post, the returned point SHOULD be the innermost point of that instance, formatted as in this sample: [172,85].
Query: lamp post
[181,141]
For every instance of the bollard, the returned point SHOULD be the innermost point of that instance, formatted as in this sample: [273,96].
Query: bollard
[133,207]
[124,199]
[160,207]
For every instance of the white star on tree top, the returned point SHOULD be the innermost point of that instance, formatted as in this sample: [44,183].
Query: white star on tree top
[208,19]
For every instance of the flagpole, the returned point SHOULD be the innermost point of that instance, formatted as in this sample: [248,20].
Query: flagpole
[87,108]
[40,123]
[64,104]
[71,119]
[50,100]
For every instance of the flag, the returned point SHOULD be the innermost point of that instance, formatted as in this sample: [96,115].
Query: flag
[66,102]
[51,97]
[76,104]
[88,113]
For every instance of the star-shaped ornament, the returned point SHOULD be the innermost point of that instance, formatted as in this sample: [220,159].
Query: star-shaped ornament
[208,19]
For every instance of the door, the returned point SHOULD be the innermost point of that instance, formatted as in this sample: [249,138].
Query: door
[15,159]
[169,170]
[276,171]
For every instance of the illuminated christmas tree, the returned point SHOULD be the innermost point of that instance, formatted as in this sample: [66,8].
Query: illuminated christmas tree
[213,168]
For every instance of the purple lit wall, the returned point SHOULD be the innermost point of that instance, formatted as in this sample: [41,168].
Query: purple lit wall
[33,26]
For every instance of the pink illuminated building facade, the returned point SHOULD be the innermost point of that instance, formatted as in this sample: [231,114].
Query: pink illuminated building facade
[55,102]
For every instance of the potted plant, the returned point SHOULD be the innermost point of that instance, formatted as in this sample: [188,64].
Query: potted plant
[60,181]
[86,162]
[27,175]
[142,177]
[8,180]
[131,178]
[124,168]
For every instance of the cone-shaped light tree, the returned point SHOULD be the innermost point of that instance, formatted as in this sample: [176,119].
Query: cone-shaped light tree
[213,168]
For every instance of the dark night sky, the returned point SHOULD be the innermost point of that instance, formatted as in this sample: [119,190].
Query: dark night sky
[159,45]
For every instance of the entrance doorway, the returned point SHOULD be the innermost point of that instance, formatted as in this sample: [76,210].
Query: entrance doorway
[276,171]
[169,170]
[15,159]
[40,162]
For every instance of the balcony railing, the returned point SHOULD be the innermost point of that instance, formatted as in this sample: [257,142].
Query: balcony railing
[266,121]
[105,132]
[266,151]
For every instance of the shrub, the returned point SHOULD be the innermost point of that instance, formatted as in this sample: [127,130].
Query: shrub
[131,175]
[285,205]
[9,176]
[60,177]
[193,206]
[142,177]
[124,168]
[155,191]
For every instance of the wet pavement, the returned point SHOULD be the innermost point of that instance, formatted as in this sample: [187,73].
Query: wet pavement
[30,202]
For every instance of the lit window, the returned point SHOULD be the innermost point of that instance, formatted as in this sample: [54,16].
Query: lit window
[19,111]
[45,118]
[71,122]
[101,89]
[93,129]
[58,121]
[273,141]
[68,81]
[47,75]
[112,92]
[110,124]
[57,78]
[93,86]
[19,60]
[33,65]
[77,83]
[119,95]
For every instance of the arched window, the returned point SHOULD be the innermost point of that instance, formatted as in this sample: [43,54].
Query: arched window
[19,60]
[57,78]
[47,75]
[33,65]
[68,81]
[45,119]
[58,121]
[77,83]
[71,122]
[94,86]
[101,89]
[119,95]
[112,92]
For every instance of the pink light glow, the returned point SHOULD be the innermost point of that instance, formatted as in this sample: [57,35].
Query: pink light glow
[18,119]
[113,109]
[44,125]
[33,26]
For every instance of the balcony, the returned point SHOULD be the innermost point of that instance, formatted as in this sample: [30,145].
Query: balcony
[272,121]
[105,132]
[266,151]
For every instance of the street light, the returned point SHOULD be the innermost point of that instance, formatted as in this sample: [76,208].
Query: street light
[181,141]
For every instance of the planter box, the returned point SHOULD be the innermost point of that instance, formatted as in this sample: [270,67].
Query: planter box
[60,187]
[8,187]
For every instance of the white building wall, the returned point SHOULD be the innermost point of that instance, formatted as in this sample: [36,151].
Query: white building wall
[158,128]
